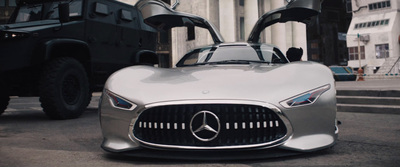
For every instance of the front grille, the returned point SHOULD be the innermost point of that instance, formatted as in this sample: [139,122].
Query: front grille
[239,125]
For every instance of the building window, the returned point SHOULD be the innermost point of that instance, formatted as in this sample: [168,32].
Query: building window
[382,51]
[2,3]
[12,3]
[315,57]
[314,45]
[379,5]
[242,33]
[372,24]
[353,53]
[241,2]
[348,6]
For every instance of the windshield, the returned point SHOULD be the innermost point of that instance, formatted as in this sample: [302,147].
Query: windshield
[233,54]
[44,11]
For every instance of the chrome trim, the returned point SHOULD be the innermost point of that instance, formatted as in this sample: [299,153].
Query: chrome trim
[277,142]
[325,88]
[205,126]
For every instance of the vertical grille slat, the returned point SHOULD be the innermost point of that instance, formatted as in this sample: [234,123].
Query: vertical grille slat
[239,125]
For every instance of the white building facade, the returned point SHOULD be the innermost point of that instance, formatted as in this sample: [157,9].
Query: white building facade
[235,20]
[378,24]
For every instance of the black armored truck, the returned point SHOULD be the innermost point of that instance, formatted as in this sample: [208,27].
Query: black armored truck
[63,50]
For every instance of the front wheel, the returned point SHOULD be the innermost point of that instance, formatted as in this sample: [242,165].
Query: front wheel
[64,89]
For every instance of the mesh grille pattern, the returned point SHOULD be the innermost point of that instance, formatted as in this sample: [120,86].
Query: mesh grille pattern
[239,125]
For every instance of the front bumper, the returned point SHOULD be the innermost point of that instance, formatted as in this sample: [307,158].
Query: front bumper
[117,127]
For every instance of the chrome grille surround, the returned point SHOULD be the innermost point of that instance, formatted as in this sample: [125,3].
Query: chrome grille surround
[280,121]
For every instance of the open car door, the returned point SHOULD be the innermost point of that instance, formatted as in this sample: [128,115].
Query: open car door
[295,10]
[161,16]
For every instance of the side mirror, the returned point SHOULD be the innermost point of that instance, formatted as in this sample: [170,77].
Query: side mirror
[63,12]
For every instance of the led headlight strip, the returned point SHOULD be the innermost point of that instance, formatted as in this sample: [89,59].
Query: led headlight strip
[306,98]
[119,102]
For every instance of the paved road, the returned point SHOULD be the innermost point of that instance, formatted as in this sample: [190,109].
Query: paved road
[29,138]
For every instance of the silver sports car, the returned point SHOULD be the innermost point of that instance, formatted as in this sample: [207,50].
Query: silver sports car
[222,101]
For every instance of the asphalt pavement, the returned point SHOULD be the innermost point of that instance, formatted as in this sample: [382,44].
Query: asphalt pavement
[29,138]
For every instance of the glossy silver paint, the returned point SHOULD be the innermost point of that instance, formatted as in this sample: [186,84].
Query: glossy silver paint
[313,125]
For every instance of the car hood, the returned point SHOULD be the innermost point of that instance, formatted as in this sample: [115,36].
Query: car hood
[146,85]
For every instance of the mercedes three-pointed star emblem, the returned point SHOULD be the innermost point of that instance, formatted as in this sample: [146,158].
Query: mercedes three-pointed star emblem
[205,126]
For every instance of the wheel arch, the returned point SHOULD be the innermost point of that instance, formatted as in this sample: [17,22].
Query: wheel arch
[76,49]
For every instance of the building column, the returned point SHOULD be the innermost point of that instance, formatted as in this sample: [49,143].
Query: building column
[227,20]
[299,31]
[267,31]
[278,31]
[250,15]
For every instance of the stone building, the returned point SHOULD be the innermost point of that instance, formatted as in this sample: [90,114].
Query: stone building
[235,20]
[378,24]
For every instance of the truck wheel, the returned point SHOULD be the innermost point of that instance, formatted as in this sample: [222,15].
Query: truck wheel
[4,99]
[64,89]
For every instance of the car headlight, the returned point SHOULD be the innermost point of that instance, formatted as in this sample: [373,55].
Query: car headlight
[5,35]
[306,98]
[119,102]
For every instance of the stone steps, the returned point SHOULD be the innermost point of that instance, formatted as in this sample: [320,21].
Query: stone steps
[369,101]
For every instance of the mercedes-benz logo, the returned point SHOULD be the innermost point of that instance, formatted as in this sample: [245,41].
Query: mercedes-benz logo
[205,126]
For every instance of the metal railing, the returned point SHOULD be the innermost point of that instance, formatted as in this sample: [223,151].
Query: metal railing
[395,68]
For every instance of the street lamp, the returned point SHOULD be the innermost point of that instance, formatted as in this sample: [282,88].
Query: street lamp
[360,70]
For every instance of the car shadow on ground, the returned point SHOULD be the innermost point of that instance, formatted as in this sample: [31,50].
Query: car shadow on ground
[179,161]
[23,116]
[29,115]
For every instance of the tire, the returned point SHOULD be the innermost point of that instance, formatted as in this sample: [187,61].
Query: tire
[64,89]
[4,99]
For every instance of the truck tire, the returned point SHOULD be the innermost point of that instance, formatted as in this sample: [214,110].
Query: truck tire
[4,99]
[64,89]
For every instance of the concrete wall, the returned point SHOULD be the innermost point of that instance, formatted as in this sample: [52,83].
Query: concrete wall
[207,9]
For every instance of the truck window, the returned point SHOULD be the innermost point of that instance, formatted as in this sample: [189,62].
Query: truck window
[126,15]
[75,9]
[43,11]
[29,13]
[101,9]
